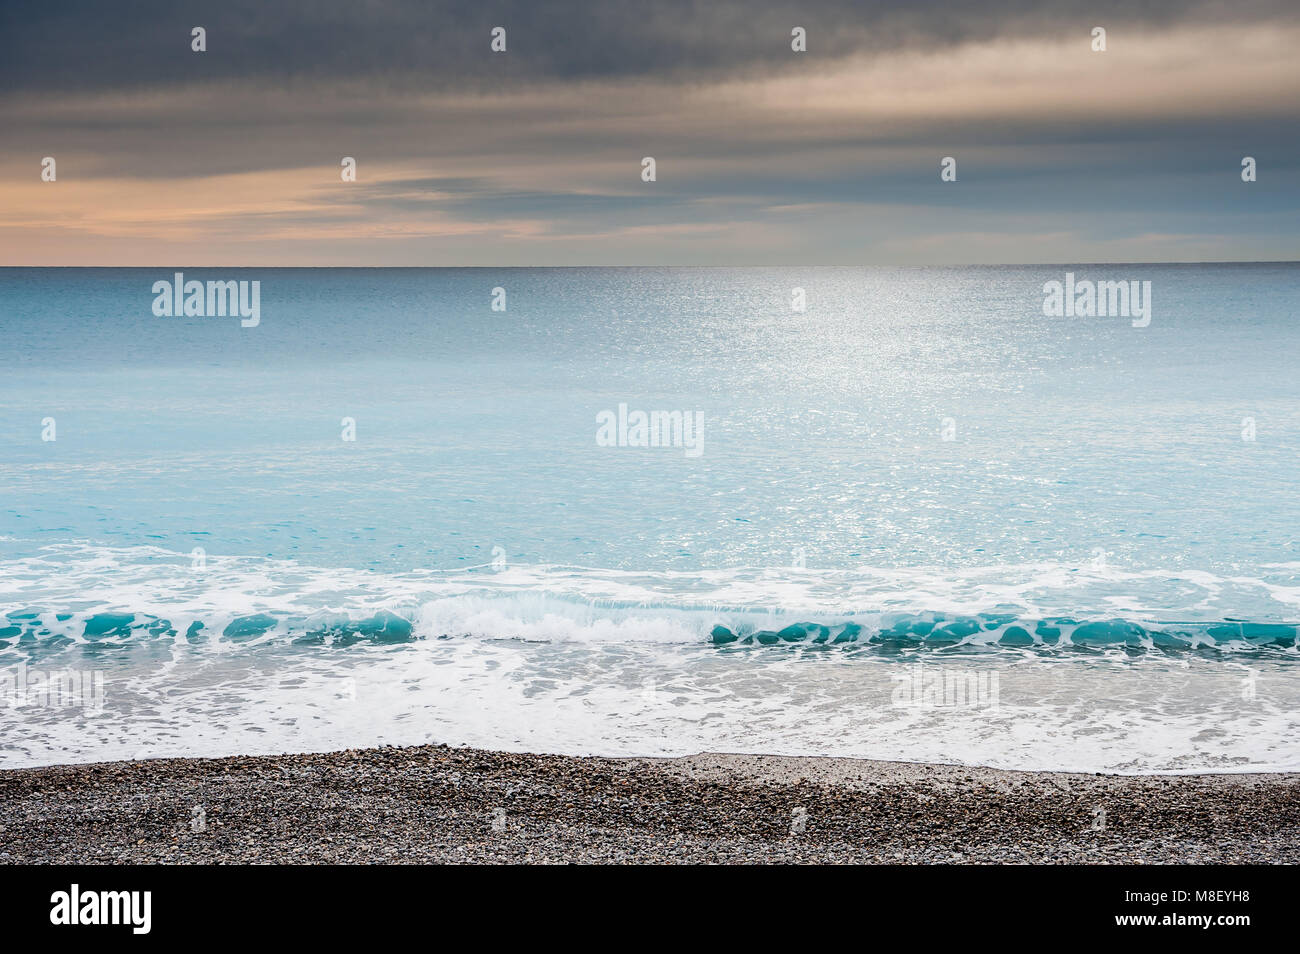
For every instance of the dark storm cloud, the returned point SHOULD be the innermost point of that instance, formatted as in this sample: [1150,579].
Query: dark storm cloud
[104,46]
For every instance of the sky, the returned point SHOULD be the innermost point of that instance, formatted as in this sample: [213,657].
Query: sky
[533,156]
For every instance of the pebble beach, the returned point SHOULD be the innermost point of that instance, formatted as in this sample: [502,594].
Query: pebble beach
[434,804]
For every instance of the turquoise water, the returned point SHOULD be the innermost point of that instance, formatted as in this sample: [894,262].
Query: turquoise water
[919,466]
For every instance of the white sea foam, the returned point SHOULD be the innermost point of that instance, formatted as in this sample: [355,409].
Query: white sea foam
[594,605]
[1115,714]
[582,661]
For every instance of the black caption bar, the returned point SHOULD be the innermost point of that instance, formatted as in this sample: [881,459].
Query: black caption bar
[223,904]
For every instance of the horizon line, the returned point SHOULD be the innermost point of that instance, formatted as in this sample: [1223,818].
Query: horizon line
[1295,261]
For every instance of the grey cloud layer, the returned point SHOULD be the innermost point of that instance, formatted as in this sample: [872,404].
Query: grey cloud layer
[101,46]
[467,157]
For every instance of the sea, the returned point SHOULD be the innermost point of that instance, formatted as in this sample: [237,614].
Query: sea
[912,514]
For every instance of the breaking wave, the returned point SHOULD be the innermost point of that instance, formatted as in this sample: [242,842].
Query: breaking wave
[102,598]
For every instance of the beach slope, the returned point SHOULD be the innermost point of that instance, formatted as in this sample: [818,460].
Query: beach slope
[439,804]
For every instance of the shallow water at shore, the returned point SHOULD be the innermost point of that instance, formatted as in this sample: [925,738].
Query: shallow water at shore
[1091,710]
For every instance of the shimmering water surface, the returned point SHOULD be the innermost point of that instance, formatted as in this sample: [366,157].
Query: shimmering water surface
[1059,517]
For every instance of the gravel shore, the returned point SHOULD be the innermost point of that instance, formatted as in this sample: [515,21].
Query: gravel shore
[439,804]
